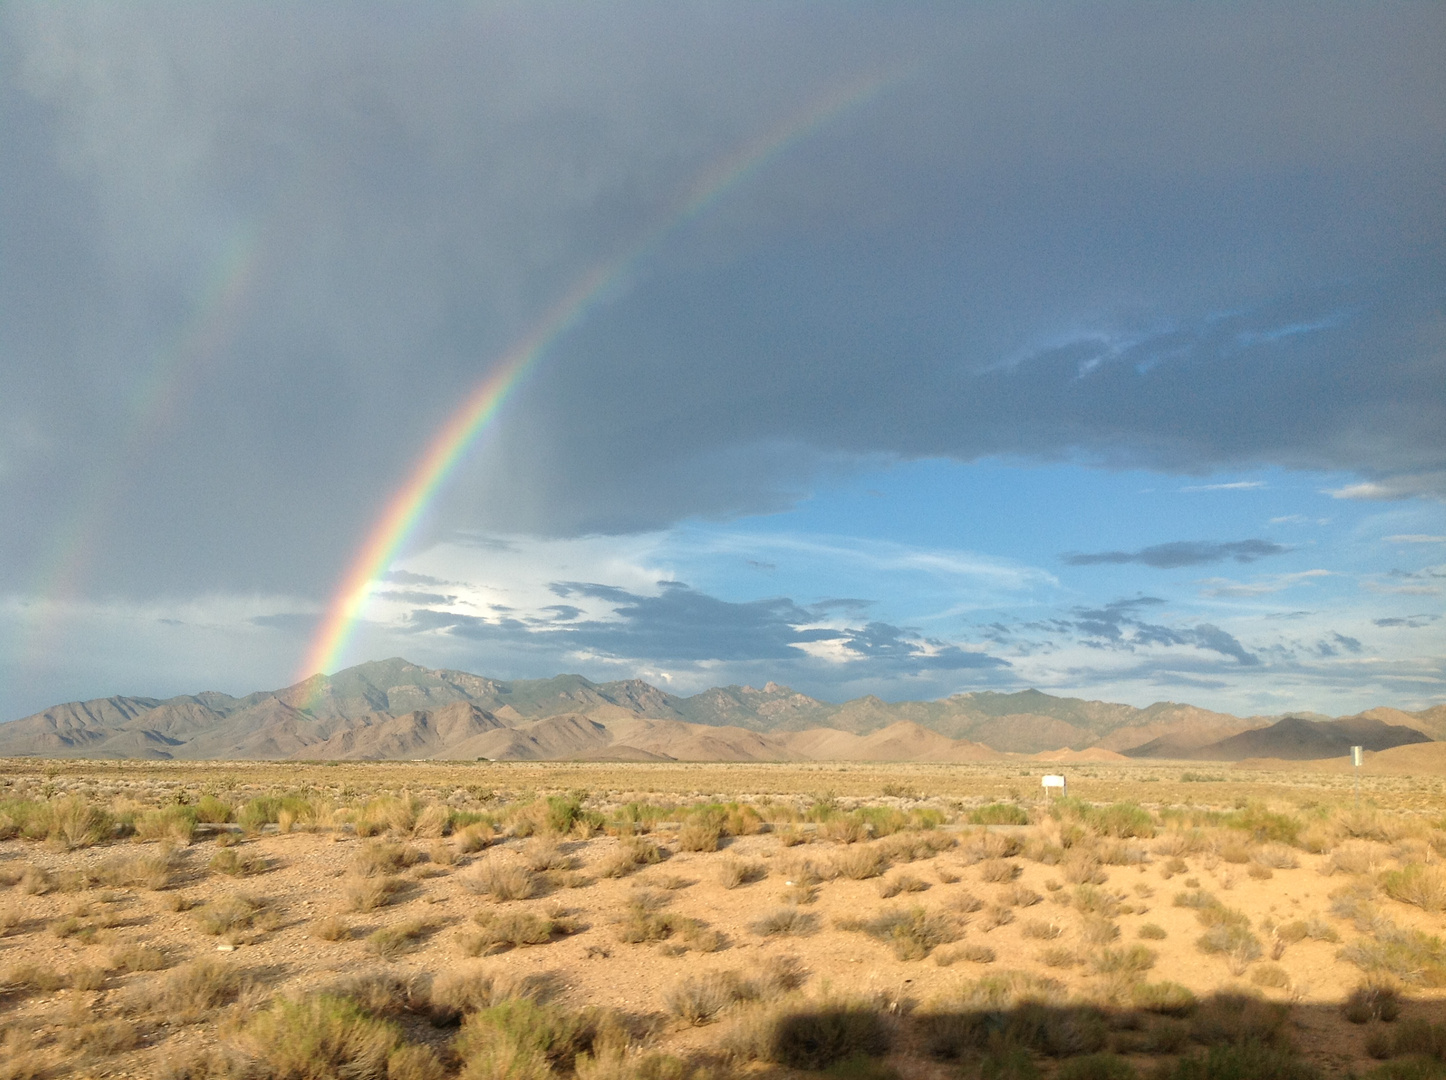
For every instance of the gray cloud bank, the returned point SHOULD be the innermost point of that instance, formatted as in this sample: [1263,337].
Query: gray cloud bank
[1180,553]
[255,256]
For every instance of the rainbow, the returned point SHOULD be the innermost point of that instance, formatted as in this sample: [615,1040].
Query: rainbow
[157,397]
[449,446]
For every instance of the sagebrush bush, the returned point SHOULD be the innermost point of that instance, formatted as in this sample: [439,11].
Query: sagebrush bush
[318,1036]
[804,1034]
[860,862]
[633,853]
[1415,883]
[787,920]
[364,894]
[498,931]
[912,932]
[389,942]
[733,873]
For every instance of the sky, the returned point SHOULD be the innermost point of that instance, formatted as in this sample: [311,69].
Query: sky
[894,349]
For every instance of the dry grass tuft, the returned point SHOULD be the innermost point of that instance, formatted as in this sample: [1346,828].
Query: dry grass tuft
[912,932]
[997,871]
[735,872]
[391,941]
[235,863]
[190,992]
[860,862]
[503,881]
[1416,883]
[377,858]
[499,931]
[364,894]
[331,928]
[148,869]
[633,853]
[901,883]
[785,921]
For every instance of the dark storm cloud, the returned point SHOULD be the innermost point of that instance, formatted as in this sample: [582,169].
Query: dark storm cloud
[1181,553]
[1118,626]
[255,257]
[682,625]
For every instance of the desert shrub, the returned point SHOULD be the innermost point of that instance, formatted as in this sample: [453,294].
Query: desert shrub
[996,871]
[502,881]
[1083,868]
[1018,895]
[699,999]
[912,932]
[369,893]
[787,920]
[1130,960]
[1415,883]
[860,862]
[1167,998]
[189,992]
[389,942]
[229,913]
[212,810]
[984,844]
[803,1034]
[375,858]
[995,916]
[643,921]
[998,814]
[1247,1061]
[901,883]
[845,829]
[971,951]
[474,837]
[1240,1019]
[1098,930]
[699,836]
[150,869]
[499,931]
[1089,900]
[540,855]
[72,823]
[318,1036]
[1271,975]
[1356,857]
[1410,955]
[1420,1037]
[1058,957]
[521,1037]
[137,958]
[466,989]
[1260,873]
[1263,825]
[735,872]
[1198,899]
[1120,820]
[331,928]
[386,993]
[1041,929]
[632,854]
[1372,1001]
[234,863]
[174,824]
[1152,931]
[965,902]
[1277,857]
[1096,1067]
[912,846]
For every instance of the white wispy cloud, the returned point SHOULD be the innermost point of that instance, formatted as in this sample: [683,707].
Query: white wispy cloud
[1260,586]
[1235,485]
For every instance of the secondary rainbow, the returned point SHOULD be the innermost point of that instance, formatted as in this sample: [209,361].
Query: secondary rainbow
[450,444]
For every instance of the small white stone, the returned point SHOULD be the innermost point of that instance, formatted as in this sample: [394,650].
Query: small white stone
[225,948]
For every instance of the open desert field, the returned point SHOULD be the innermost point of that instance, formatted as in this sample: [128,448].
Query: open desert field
[609,921]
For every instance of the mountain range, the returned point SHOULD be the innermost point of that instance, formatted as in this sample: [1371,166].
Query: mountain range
[393,709]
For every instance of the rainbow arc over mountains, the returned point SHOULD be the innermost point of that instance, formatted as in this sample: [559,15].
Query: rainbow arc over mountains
[448,447]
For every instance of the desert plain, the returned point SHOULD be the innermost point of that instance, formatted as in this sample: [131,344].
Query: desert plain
[534,920]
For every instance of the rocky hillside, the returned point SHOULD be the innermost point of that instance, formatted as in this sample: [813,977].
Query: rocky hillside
[396,709]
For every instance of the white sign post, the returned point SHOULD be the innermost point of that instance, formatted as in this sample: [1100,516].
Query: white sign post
[1357,757]
[1053,782]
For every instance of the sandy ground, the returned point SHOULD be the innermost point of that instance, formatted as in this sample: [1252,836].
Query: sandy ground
[307,873]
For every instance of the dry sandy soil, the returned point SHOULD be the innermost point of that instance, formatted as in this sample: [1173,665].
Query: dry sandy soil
[1074,907]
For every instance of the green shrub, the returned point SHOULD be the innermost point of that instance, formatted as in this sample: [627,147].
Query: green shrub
[1166,998]
[521,1037]
[1264,825]
[815,1035]
[999,814]
[1424,886]
[318,1037]
[1240,1019]
[913,932]
[1121,820]
[1249,1061]
[1420,1037]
